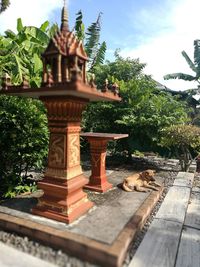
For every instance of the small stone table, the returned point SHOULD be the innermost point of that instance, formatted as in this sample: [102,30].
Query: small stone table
[98,145]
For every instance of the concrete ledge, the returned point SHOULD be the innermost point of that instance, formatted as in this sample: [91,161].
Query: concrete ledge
[80,246]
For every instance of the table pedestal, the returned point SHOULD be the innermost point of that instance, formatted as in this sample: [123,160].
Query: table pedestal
[98,145]
[98,180]
[63,199]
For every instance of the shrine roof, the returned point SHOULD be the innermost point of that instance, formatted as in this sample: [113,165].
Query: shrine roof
[65,42]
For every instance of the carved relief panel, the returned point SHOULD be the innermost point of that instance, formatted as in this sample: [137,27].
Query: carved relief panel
[74,150]
[57,151]
[98,159]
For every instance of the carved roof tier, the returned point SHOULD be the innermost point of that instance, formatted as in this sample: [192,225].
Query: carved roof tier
[66,44]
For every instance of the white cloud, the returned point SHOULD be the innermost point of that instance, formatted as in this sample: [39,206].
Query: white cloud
[162,50]
[32,12]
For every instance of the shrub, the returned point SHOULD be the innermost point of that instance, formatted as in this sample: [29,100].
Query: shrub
[23,142]
[183,139]
[143,111]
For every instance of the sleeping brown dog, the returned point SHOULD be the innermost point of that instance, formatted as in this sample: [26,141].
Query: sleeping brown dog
[137,181]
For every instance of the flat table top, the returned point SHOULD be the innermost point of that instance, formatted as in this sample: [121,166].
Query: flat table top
[109,136]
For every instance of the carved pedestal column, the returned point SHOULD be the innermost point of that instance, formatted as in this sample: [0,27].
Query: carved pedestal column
[63,198]
[98,180]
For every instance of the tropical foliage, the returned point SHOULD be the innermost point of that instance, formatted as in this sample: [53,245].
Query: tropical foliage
[142,113]
[4,5]
[184,140]
[194,65]
[20,52]
[143,110]
[23,141]
[91,38]
[23,123]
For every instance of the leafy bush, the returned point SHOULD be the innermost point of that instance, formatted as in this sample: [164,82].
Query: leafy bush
[183,139]
[143,111]
[23,142]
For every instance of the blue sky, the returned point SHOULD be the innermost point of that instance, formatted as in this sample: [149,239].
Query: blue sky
[122,23]
[156,31]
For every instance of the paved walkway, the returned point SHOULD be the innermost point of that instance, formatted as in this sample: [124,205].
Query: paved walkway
[173,238]
[11,257]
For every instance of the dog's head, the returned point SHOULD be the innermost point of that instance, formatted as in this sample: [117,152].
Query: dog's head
[149,175]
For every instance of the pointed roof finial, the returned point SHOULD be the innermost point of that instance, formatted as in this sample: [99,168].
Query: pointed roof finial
[64,25]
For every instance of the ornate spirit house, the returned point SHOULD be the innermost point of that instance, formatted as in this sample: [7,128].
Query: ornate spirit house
[65,93]
[65,56]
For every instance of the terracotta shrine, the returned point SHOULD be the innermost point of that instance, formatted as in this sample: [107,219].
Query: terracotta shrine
[65,92]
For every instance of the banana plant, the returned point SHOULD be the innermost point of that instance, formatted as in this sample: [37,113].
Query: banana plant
[20,52]
[194,65]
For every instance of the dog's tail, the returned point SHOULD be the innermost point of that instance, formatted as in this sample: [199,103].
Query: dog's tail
[125,187]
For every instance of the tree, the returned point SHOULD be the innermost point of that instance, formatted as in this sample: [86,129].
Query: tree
[194,65]
[4,4]
[183,139]
[122,69]
[143,110]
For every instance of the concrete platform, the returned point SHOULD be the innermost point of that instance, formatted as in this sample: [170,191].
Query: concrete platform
[102,236]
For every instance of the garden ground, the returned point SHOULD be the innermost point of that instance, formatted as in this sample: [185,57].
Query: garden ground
[104,234]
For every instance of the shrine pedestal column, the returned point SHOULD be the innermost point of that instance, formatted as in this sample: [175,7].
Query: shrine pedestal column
[63,198]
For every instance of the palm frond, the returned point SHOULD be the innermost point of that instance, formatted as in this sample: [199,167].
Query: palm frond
[189,61]
[197,55]
[101,53]
[79,26]
[10,34]
[93,36]
[44,26]
[100,56]
[192,91]
[20,26]
[181,76]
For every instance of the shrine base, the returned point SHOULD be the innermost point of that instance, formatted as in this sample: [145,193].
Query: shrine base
[99,185]
[63,200]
